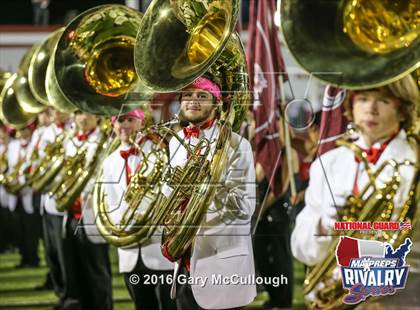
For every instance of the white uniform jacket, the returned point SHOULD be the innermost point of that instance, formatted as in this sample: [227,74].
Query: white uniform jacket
[114,181]
[35,143]
[88,217]
[340,173]
[17,151]
[48,137]
[33,146]
[4,195]
[222,248]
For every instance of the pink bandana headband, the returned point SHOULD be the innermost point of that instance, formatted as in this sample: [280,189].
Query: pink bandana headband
[8,129]
[138,113]
[207,85]
[31,126]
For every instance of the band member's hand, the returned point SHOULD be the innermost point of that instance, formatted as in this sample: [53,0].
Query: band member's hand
[327,221]
[229,200]
[329,214]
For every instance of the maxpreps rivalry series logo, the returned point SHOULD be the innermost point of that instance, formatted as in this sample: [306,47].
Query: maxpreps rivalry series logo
[371,268]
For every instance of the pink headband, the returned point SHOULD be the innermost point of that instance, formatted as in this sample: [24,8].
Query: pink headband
[138,113]
[206,84]
[31,126]
[8,129]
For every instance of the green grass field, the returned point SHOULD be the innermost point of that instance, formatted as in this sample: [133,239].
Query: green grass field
[17,287]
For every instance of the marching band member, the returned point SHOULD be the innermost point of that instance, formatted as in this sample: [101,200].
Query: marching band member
[52,219]
[382,116]
[43,121]
[86,253]
[32,159]
[5,228]
[20,204]
[222,247]
[147,259]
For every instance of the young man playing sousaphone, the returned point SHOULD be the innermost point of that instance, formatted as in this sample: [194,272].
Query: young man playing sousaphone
[145,260]
[52,219]
[6,231]
[87,262]
[20,202]
[382,117]
[222,247]
[32,161]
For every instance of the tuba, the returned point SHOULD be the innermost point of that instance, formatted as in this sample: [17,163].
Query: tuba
[4,76]
[10,181]
[18,106]
[49,165]
[23,98]
[3,165]
[200,40]
[77,171]
[41,78]
[134,226]
[370,43]
[44,167]
[92,67]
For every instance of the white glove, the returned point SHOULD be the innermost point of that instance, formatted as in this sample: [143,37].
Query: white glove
[229,200]
[329,212]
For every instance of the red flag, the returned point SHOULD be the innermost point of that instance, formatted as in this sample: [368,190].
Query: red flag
[265,63]
[333,121]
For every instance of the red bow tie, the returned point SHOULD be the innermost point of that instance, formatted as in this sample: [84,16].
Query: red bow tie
[195,131]
[373,153]
[131,151]
[60,125]
[84,136]
[191,132]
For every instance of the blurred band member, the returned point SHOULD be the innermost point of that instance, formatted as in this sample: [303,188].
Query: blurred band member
[52,219]
[20,204]
[147,259]
[32,161]
[6,231]
[86,253]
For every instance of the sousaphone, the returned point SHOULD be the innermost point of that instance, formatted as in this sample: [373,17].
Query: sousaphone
[92,67]
[42,82]
[93,62]
[177,42]
[354,44]
[18,106]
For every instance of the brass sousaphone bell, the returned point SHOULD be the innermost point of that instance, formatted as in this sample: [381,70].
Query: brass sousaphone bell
[18,106]
[92,67]
[25,94]
[42,82]
[93,63]
[355,44]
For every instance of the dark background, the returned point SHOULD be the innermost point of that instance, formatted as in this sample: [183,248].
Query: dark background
[60,11]
[20,11]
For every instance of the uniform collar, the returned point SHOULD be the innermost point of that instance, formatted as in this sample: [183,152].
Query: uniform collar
[361,142]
